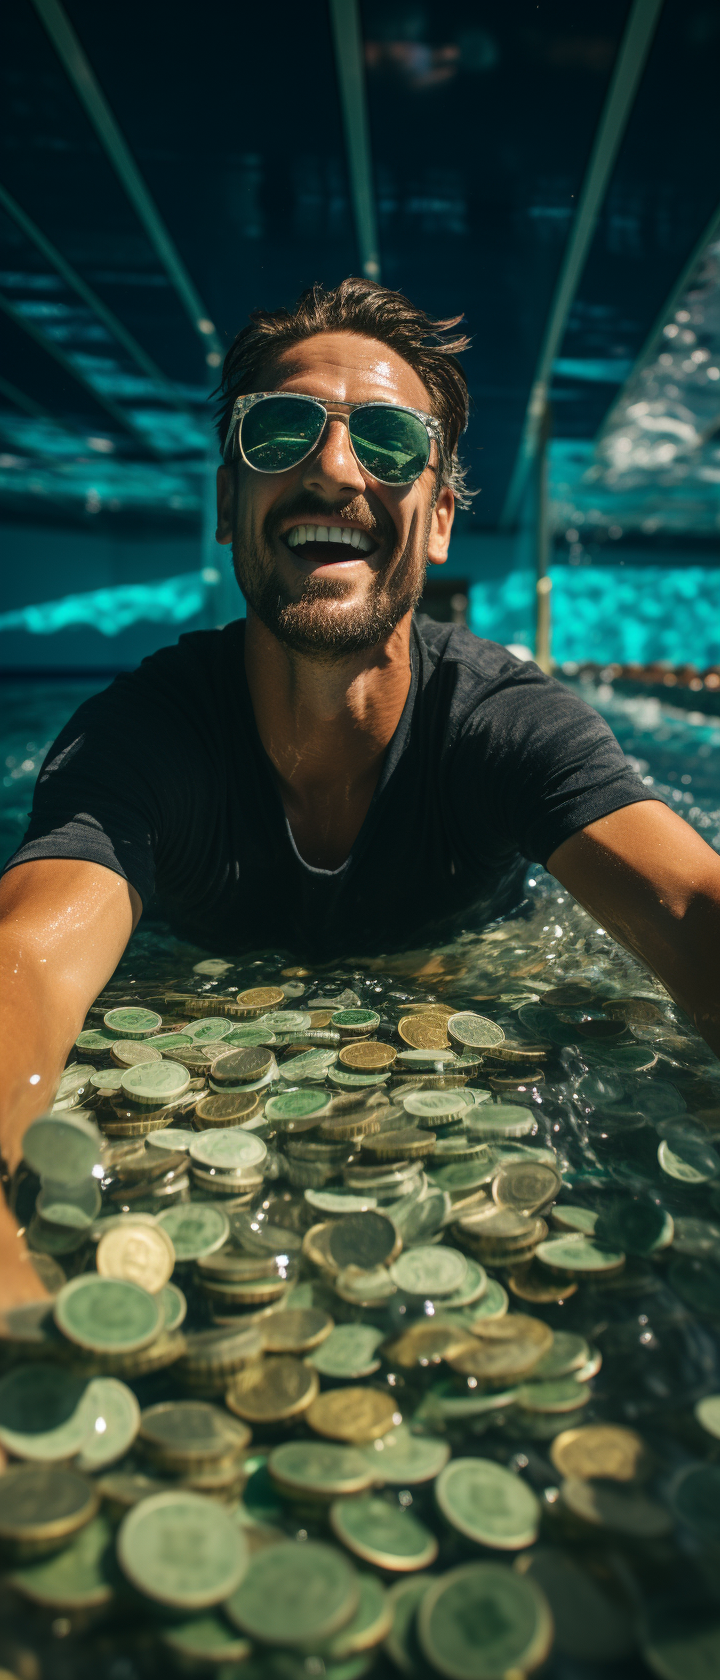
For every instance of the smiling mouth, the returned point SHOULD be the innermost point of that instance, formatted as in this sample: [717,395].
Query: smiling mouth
[328,545]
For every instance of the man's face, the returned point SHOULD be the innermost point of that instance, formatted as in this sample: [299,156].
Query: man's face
[327,596]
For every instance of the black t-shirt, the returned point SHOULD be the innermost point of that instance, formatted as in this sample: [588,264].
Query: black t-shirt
[163,779]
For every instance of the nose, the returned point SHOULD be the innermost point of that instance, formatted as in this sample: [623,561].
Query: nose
[333,470]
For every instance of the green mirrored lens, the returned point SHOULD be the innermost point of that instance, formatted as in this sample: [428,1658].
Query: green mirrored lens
[390,443]
[280,431]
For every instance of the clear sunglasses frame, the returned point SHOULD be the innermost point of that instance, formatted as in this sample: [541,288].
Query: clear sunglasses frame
[242,406]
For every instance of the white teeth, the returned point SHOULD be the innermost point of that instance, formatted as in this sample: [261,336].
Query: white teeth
[302,534]
[334,534]
[346,535]
[321,533]
[364,544]
[354,538]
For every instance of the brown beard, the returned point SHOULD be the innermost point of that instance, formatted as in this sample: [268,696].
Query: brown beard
[305,624]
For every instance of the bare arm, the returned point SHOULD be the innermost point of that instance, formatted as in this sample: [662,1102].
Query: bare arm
[655,886]
[64,925]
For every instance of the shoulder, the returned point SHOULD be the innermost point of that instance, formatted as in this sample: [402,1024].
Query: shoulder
[453,646]
[485,680]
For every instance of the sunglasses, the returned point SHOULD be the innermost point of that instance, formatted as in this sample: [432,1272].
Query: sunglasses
[275,431]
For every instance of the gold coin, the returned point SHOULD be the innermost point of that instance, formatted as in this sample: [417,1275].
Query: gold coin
[424,1032]
[427,1344]
[320,1019]
[342,1128]
[316,1247]
[527,1055]
[139,1253]
[600,1449]
[367,1057]
[507,1348]
[352,1414]
[261,997]
[227,1110]
[274,1390]
[533,1283]
[297,1330]
[295,973]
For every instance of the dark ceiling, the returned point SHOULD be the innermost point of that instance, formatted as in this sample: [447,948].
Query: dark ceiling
[482,120]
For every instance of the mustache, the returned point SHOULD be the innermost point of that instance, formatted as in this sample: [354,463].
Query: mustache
[305,507]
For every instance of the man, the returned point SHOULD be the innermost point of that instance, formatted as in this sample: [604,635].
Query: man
[334,776]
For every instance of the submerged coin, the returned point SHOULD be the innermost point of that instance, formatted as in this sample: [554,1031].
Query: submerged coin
[84,1576]
[153,1084]
[182,1433]
[114,1420]
[210,1030]
[484,1622]
[241,1067]
[524,1186]
[500,1120]
[488,1504]
[364,1239]
[132,1023]
[225,1110]
[600,1450]
[349,1351]
[289,1106]
[65,1148]
[127,1053]
[107,1315]
[142,1253]
[507,1349]
[321,1469]
[43,1414]
[427,1343]
[230,1149]
[42,1506]
[297,1330]
[368,1056]
[687,1157]
[435,1105]
[355,1022]
[577,1253]
[383,1534]
[474,1032]
[182,1550]
[352,1414]
[195,1229]
[623,1510]
[402,1459]
[273,1391]
[429,1272]
[295,1594]
[424,1032]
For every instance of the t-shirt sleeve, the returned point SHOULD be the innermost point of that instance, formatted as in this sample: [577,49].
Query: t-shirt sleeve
[538,764]
[112,789]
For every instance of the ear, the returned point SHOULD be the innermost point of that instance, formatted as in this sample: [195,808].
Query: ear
[225,505]
[441,527]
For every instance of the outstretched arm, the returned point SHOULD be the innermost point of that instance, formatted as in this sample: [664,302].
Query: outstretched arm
[64,925]
[655,886]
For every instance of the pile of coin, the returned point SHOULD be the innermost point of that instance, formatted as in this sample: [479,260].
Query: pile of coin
[344,1286]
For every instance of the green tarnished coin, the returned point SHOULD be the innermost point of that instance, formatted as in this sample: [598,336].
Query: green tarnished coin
[82,1577]
[107,1079]
[283,1021]
[309,1065]
[295,1594]
[210,1029]
[169,1140]
[364,1239]
[319,1468]
[401,1643]
[132,1023]
[555,1397]
[347,1080]
[248,1037]
[568,1353]
[172,1041]
[94,1039]
[471,1289]
[205,1639]
[402,1459]
[195,1229]
[182,1549]
[127,1052]
[484,1622]
[228,1148]
[435,1105]
[568,1217]
[174,1306]
[493,1303]
[500,1120]
[44,1413]
[688,1158]
[74,1206]
[469,1031]
[297,1105]
[349,1351]
[74,1084]
[361,1635]
[355,1020]
[115,1420]
[339,1202]
[107,1315]
[488,1504]
[420,1218]
[382,1533]
[577,1253]
[44,1505]
[240,1067]
[154,1084]
[429,1272]
[64,1148]
[462,1175]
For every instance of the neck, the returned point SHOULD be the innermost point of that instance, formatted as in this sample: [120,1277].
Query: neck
[325,726]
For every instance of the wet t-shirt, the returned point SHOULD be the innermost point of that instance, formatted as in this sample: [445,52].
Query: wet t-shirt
[163,779]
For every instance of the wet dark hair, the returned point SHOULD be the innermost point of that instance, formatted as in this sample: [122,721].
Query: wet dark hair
[360,306]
